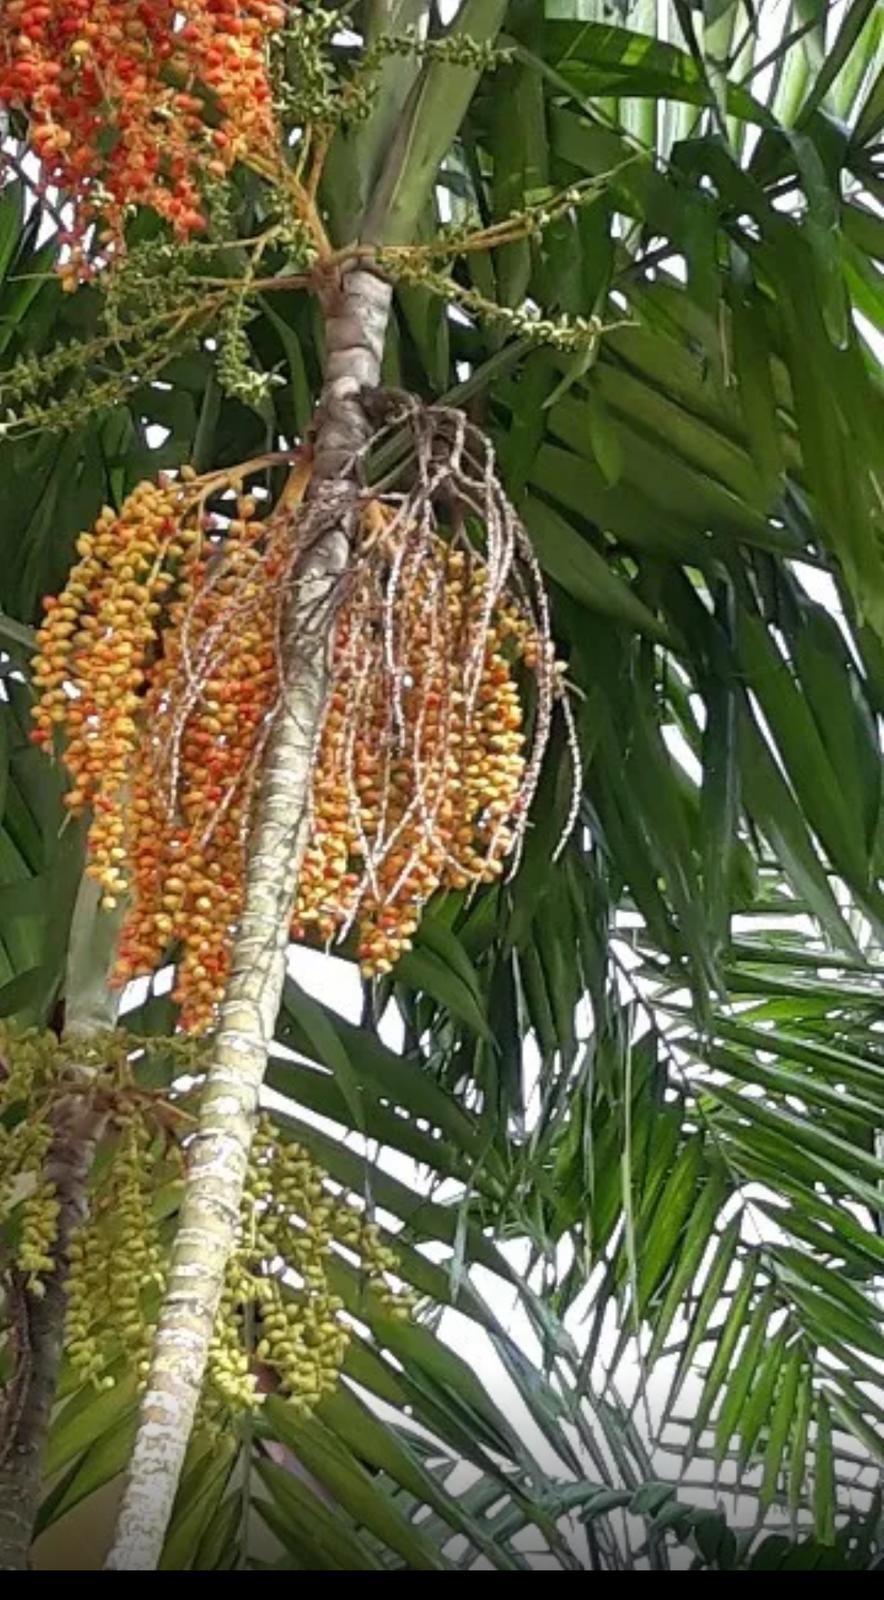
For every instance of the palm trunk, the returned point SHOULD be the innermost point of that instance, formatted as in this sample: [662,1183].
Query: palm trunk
[90,1008]
[356,318]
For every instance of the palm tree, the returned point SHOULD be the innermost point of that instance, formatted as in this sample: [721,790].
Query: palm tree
[639,1090]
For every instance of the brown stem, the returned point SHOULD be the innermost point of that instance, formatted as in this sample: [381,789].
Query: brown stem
[77,1131]
[91,1008]
[356,310]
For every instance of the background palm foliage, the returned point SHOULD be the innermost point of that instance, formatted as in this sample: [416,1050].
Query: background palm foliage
[640,1092]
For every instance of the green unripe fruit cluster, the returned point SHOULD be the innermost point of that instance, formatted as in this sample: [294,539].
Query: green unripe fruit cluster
[281,1324]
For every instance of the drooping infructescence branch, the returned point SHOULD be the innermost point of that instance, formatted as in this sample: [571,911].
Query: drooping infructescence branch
[357,308]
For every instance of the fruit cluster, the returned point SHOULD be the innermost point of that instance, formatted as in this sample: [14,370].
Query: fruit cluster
[160,663]
[28,1071]
[162,710]
[420,769]
[138,102]
[280,1325]
[97,646]
[205,721]
[117,1259]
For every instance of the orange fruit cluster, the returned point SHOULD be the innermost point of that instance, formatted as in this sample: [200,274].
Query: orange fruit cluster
[133,102]
[96,649]
[160,663]
[205,721]
[419,772]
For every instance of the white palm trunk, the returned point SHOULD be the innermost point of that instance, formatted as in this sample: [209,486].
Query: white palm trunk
[357,310]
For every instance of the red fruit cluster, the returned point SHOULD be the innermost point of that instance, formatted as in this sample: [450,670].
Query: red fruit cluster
[132,102]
